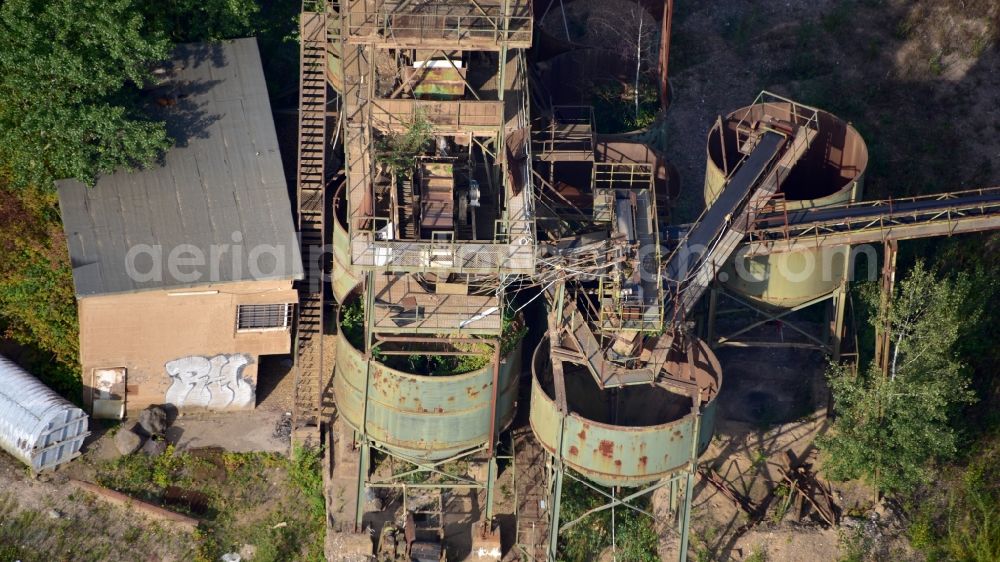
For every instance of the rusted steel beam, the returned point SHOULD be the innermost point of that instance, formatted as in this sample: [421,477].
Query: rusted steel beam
[668,16]
[801,482]
[739,501]
[419,339]
[130,503]
[957,225]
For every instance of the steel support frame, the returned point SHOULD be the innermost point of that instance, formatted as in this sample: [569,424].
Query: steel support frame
[829,343]
[681,511]
[452,482]
[681,485]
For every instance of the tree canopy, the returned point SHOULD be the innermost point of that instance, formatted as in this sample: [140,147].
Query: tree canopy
[72,74]
[185,21]
[892,427]
[70,71]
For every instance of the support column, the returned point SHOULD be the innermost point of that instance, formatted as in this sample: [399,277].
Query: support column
[554,517]
[359,511]
[491,480]
[713,310]
[673,499]
[685,521]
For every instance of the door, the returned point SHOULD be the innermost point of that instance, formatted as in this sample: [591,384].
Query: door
[108,392]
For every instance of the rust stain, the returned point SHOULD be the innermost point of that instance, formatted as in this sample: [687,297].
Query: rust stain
[573,451]
[582,435]
[642,461]
[677,433]
[607,448]
[618,463]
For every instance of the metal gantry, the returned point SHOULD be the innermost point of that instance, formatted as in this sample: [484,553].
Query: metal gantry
[430,280]
[430,238]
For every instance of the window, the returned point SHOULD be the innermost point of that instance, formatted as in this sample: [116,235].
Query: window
[263,316]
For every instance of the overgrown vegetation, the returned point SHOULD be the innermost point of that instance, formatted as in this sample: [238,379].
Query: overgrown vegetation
[962,522]
[513,331]
[31,535]
[635,537]
[927,421]
[352,323]
[269,501]
[892,428]
[615,109]
[37,306]
[397,152]
[71,106]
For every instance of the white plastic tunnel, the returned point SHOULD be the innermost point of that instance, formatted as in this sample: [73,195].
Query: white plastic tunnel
[37,426]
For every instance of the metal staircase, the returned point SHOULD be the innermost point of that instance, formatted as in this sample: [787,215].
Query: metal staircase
[311,210]
[531,495]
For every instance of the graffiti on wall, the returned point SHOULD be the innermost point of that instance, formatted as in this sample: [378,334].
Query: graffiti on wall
[210,382]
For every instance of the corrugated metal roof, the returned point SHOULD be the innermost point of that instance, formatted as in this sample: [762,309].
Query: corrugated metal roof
[37,425]
[220,186]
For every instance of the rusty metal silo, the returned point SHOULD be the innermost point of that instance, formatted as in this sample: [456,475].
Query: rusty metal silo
[830,173]
[418,416]
[771,287]
[629,435]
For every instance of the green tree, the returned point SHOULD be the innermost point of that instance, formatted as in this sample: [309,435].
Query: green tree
[70,71]
[397,152]
[185,21]
[892,427]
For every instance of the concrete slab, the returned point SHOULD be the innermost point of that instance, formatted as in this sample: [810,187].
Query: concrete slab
[239,432]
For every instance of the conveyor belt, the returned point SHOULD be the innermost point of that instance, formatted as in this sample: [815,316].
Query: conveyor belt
[877,221]
[724,224]
[736,191]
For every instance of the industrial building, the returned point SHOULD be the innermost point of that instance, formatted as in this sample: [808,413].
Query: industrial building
[483,283]
[454,194]
[183,271]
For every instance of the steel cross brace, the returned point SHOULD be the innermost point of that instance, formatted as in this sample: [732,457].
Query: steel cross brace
[769,316]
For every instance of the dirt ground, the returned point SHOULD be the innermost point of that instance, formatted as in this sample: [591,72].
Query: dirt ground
[229,471]
[921,81]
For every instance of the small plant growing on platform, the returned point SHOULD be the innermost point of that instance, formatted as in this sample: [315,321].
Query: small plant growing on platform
[397,152]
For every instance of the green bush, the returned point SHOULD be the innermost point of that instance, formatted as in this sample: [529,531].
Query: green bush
[305,473]
[635,536]
[614,106]
[398,152]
